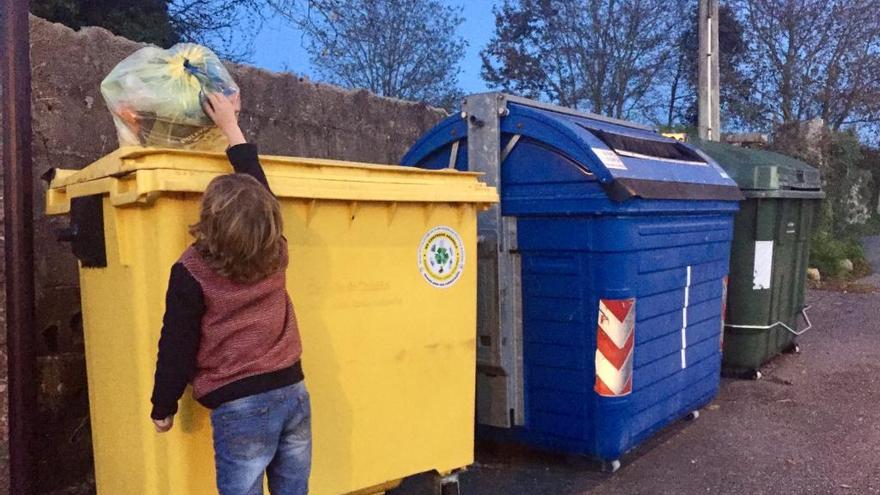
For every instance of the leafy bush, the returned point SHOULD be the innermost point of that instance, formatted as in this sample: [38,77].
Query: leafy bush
[827,251]
[871,227]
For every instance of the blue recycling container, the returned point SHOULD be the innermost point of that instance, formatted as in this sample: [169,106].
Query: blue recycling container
[602,275]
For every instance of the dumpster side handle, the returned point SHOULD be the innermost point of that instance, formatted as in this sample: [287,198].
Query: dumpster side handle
[779,323]
[85,233]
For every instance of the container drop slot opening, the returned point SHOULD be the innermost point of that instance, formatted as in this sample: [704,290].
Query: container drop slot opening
[647,148]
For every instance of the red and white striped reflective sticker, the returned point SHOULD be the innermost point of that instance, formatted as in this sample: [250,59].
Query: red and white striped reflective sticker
[615,339]
[723,312]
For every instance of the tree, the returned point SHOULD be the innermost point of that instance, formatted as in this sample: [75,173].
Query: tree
[737,105]
[399,48]
[814,58]
[681,106]
[226,26]
[607,56]
[146,21]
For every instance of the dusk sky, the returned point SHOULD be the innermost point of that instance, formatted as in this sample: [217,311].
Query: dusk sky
[280,46]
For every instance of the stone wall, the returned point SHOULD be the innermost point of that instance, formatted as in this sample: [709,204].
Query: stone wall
[285,114]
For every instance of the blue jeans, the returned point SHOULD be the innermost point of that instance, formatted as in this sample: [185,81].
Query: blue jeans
[269,432]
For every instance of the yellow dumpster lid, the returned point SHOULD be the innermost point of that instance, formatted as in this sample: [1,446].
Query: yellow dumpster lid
[133,175]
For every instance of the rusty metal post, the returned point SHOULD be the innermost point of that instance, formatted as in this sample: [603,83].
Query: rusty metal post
[19,248]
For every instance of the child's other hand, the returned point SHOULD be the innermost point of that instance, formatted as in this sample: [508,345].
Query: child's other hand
[163,425]
[224,110]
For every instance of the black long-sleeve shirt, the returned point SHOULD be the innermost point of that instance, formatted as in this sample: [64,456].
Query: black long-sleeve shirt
[181,327]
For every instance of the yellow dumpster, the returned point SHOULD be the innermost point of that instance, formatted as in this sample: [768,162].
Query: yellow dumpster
[388,329]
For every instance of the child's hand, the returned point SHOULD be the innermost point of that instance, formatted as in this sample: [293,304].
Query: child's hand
[224,110]
[163,425]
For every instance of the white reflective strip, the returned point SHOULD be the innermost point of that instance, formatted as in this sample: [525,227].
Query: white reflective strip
[763,265]
[618,331]
[687,288]
[684,317]
[612,377]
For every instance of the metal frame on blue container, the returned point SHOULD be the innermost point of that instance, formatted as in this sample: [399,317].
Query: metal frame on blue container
[602,273]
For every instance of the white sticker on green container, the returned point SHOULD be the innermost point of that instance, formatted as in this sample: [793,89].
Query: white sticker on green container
[763,265]
[441,256]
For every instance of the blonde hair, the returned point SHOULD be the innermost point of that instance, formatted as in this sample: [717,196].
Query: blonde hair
[239,233]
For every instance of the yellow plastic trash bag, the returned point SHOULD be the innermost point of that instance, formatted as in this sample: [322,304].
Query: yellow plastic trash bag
[156,97]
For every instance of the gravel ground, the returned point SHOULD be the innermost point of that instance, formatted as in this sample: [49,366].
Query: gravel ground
[811,425]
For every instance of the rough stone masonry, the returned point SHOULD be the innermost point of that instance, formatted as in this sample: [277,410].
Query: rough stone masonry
[285,114]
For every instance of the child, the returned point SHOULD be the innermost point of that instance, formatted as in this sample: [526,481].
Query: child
[230,330]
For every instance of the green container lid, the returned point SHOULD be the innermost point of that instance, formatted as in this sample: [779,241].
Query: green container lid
[766,174]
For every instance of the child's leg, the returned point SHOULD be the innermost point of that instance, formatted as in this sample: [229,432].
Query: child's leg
[289,470]
[246,435]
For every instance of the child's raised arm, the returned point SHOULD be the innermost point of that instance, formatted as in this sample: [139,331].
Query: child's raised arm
[243,155]
[224,111]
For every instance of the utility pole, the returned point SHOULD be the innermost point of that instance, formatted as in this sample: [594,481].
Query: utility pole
[15,73]
[708,109]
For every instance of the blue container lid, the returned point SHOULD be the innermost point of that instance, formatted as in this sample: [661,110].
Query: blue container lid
[628,159]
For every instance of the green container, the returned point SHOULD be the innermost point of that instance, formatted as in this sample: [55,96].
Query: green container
[769,255]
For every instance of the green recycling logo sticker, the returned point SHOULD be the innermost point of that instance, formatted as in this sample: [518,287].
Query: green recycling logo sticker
[441,256]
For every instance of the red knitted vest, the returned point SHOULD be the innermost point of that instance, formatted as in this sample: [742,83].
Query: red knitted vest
[247,329]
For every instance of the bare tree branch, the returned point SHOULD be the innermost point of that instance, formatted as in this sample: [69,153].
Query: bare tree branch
[814,58]
[606,56]
[399,48]
[226,26]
